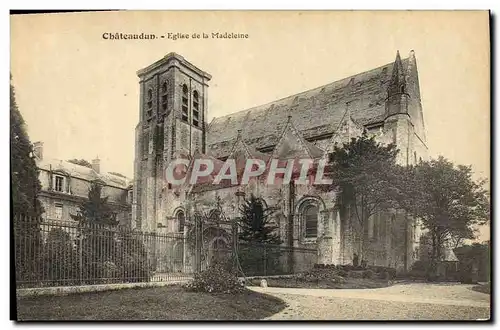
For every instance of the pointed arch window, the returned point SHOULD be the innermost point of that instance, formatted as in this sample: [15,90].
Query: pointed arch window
[196,108]
[402,89]
[185,96]
[164,96]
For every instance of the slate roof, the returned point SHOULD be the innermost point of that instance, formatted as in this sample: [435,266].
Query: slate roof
[314,112]
[83,172]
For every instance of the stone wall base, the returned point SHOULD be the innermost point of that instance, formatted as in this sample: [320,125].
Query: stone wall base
[65,290]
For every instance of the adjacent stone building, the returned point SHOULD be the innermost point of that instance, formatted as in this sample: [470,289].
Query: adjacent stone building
[65,185]
[384,101]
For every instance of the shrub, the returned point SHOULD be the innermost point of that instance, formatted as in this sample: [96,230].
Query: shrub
[133,261]
[377,269]
[216,279]
[337,279]
[59,260]
[355,274]
[419,265]
[385,275]
[135,268]
[368,274]
[381,270]
[324,266]
[346,268]
[326,273]
[342,273]
[392,272]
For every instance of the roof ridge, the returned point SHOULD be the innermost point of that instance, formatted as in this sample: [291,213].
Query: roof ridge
[301,93]
[51,161]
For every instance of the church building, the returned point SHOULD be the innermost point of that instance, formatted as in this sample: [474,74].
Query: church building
[384,101]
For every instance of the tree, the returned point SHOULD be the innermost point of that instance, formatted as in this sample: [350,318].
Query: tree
[25,184]
[446,200]
[255,223]
[95,210]
[25,187]
[365,174]
[259,253]
[81,162]
[477,254]
[97,244]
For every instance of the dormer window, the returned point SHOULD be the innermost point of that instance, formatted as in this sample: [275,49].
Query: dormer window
[185,95]
[59,183]
[196,108]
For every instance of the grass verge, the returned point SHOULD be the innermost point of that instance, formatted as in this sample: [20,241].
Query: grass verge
[350,283]
[165,303]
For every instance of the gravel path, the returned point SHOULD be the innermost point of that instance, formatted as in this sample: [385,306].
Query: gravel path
[415,301]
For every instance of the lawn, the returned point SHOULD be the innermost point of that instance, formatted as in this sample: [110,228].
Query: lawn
[349,283]
[165,303]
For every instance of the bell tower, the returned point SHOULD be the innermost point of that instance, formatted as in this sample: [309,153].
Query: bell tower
[172,119]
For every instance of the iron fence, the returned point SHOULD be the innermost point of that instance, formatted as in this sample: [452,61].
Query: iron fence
[58,253]
[66,253]
[254,259]
[266,259]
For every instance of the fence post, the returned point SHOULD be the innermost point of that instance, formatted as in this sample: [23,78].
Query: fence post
[80,257]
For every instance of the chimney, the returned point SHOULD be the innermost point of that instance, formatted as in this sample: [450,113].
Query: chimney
[96,165]
[38,150]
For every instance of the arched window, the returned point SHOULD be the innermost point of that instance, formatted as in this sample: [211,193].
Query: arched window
[164,96]
[181,221]
[310,215]
[185,96]
[402,89]
[196,109]
[150,103]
